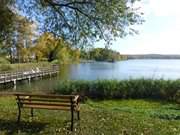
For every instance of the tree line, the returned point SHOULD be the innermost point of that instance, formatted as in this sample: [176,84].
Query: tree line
[26,47]
[101,54]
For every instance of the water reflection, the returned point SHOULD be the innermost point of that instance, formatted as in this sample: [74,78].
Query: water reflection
[64,72]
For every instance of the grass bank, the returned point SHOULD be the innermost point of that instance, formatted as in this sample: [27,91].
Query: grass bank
[125,89]
[23,66]
[109,117]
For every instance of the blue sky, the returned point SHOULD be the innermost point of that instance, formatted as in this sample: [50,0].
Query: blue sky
[160,34]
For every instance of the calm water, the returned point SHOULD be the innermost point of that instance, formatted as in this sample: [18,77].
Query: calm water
[155,69]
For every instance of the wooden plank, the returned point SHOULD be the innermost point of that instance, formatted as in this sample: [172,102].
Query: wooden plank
[45,95]
[47,107]
[46,99]
[46,104]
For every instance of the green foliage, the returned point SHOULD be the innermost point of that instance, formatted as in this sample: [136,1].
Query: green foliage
[101,54]
[124,89]
[52,48]
[45,47]
[82,22]
[177,96]
[56,61]
[6,18]
[17,44]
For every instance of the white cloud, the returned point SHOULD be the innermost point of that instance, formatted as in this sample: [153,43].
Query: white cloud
[164,7]
[159,7]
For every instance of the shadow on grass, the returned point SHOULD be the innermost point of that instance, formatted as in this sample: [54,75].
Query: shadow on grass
[169,117]
[166,116]
[11,127]
[174,108]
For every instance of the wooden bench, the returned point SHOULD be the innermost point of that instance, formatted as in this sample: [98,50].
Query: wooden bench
[53,102]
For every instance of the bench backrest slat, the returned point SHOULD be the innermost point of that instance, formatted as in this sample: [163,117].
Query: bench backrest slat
[45,100]
[47,96]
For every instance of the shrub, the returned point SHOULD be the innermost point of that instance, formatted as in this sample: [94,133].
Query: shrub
[55,61]
[177,97]
[123,89]
[4,61]
[5,67]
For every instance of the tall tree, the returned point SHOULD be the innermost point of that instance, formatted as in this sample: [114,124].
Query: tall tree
[24,37]
[18,42]
[6,19]
[84,21]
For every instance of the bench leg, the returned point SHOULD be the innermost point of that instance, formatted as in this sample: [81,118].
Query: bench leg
[78,115]
[32,114]
[19,114]
[72,118]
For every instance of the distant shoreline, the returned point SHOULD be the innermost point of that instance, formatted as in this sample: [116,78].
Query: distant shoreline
[151,56]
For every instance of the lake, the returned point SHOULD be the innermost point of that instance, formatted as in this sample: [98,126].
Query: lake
[129,69]
[154,69]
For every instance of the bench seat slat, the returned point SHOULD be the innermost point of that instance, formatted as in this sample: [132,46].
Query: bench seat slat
[47,107]
[46,103]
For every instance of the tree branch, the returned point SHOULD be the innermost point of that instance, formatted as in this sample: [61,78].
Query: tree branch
[70,3]
[62,15]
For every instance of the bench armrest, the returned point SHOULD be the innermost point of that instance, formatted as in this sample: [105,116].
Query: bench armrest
[76,98]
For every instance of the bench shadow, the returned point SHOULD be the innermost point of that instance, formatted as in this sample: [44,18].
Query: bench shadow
[11,127]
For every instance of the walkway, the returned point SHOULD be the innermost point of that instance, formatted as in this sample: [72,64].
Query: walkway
[27,75]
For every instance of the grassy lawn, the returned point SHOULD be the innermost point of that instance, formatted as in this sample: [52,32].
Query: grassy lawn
[110,117]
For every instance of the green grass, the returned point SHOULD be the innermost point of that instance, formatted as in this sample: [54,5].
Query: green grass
[23,66]
[4,60]
[108,117]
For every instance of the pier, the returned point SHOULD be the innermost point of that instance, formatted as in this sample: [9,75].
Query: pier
[13,77]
